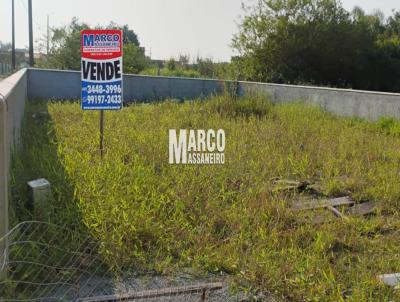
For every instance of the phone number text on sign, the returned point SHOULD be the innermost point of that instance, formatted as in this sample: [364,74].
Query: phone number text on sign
[101,70]
[108,89]
[103,99]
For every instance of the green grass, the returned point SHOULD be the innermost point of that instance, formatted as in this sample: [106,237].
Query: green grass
[150,215]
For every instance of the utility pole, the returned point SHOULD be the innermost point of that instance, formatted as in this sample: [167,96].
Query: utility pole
[31,58]
[48,35]
[13,36]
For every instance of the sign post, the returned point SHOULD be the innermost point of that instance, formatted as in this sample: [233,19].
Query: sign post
[101,133]
[101,73]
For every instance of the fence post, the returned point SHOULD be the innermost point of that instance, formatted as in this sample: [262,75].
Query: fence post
[3,186]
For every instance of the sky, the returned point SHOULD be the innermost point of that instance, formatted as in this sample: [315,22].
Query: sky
[166,28]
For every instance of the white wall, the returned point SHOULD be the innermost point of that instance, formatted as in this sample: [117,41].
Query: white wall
[13,94]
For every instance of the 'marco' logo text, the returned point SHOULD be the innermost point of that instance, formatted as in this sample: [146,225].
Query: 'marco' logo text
[100,40]
[197,147]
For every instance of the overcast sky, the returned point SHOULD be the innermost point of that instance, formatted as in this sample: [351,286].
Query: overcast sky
[165,27]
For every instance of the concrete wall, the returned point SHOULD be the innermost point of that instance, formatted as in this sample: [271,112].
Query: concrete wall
[55,84]
[52,84]
[13,94]
[344,102]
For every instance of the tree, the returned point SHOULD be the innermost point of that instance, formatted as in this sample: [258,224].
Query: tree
[295,41]
[134,58]
[66,42]
[206,67]
[129,36]
[4,46]
[317,42]
[171,64]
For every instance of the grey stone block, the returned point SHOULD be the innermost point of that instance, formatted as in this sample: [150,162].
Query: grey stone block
[40,192]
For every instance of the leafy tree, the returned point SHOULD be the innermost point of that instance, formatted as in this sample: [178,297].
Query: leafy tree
[206,67]
[134,59]
[318,42]
[66,41]
[295,41]
[4,46]
[129,36]
[393,24]
[184,60]
[171,64]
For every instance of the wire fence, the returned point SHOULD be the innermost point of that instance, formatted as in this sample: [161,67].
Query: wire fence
[44,262]
[5,68]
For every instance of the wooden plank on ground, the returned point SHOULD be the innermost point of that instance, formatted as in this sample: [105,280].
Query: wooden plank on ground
[154,293]
[362,209]
[322,203]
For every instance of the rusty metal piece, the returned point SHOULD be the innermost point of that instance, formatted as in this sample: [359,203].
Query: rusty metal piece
[154,293]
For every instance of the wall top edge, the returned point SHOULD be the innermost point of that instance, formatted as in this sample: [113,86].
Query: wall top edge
[8,84]
[323,88]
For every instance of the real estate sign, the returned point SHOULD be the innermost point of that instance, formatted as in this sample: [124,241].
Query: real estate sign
[101,69]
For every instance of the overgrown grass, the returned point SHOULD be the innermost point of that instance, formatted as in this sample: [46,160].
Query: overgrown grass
[150,215]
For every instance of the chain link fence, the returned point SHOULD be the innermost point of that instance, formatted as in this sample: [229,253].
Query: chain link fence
[45,262]
[5,69]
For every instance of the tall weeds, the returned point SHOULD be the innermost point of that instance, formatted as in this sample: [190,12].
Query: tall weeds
[149,215]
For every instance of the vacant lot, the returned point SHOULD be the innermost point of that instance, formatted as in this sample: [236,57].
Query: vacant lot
[230,218]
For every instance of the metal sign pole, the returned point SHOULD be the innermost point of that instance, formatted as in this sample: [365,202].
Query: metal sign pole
[31,55]
[13,62]
[101,133]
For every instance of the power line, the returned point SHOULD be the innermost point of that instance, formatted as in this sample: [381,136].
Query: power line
[48,35]
[38,26]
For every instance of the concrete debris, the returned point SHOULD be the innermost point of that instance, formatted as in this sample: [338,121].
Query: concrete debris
[390,279]
[40,192]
